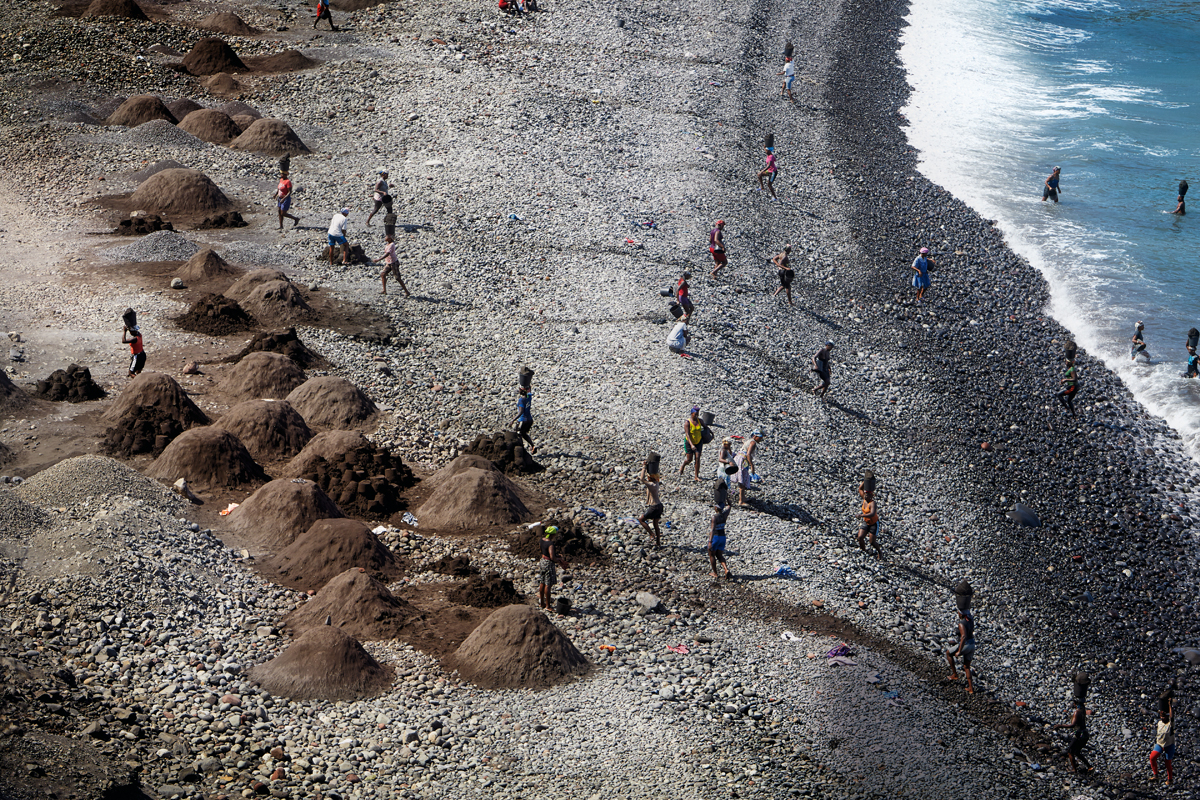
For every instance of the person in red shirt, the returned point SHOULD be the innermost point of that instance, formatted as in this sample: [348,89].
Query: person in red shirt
[133,338]
[323,13]
[682,290]
[283,198]
[716,246]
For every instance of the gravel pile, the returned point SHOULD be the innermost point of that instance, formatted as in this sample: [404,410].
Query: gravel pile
[157,246]
[160,133]
[77,479]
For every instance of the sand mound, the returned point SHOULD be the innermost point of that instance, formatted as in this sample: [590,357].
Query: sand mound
[215,315]
[206,265]
[283,342]
[155,168]
[180,191]
[270,296]
[366,480]
[516,647]
[209,458]
[270,429]
[182,107]
[11,396]
[115,8]
[570,541]
[236,108]
[276,514]
[506,451]
[73,384]
[148,415]
[323,664]
[458,466]
[359,605]
[140,109]
[227,23]
[244,121]
[487,591]
[475,498]
[332,402]
[272,137]
[326,550]
[262,375]
[211,56]
[287,61]
[210,125]
[224,83]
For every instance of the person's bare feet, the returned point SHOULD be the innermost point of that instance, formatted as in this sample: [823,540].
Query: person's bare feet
[715,575]
[383,291]
[970,690]
[952,676]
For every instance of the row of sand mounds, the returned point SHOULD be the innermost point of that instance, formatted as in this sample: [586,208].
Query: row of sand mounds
[328,549]
[182,107]
[272,517]
[181,191]
[148,415]
[211,125]
[516,647]
[215,315]
[358,604]
[570,541]
[285,343]
[227,23]
[262,375]
[365,479]
[270,429]
[270,295]
[208,458]
[211,56]
[332,402]
[139,110]
[506,450]
[486,591]
[472,495]
[73,384]
[323,664]
[142,224]
[206,265]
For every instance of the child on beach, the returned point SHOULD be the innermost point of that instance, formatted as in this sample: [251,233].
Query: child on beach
[716,540]
[716,246]
[870,524]
[1138,344]
[391,264]
[789,75]
[1164,739]
[1071,385]
[524,418]
[132,336]
[283,200]
[654,506]
[786,273]
[547,575]
[921,264]
[769,172]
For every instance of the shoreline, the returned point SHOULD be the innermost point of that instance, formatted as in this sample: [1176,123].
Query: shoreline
[751,365]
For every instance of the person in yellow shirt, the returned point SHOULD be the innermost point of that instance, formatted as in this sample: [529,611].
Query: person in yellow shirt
[693,430]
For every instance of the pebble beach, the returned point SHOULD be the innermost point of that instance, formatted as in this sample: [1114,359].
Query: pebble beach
[552,173]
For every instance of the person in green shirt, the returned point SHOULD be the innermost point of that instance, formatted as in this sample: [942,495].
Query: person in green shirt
[1070,385]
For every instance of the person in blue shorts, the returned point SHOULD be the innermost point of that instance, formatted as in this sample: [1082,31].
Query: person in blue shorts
[789,75]
[337,235]
[1164,738]
[716,540]
[921,265]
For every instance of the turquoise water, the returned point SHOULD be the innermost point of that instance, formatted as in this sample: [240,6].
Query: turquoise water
[1005,91]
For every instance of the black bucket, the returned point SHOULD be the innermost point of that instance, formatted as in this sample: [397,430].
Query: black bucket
[788,49]
[653,459]
[769,140]
[676,310]
[389,225]
[665,293]
[706,418]
[129,317]
[525,377]
[731,469]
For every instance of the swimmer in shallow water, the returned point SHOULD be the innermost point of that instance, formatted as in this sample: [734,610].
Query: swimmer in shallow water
[1052,188]
[1138,344]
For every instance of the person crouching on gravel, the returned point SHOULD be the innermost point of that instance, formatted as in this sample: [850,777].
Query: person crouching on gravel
[654,506]
[391,264]
[716,540]
[323,13]
[133,338]
[337,235]
[524,418]
[283,200]
[547,575]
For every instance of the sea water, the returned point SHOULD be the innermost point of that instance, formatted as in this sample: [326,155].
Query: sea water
[1005,90]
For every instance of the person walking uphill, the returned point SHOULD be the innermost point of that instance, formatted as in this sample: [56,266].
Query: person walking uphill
[654,506]
[524,418]
[283,200]
[965,649]
[745,464]
[782,263]
[381,196]
[1164,740]
[716,246]
[869,529]
[823,369]
[1052,188]
[770,171]
[1078,725]
[716,540]
[693,432]
[921,265]
[323,13]
[789,75]
[547,575]
[391,264]
[337,235]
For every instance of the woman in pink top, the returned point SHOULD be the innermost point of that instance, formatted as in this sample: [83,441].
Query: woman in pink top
[772,169]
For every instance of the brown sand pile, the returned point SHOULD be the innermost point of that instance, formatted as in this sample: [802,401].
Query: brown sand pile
[205,266]
[516,647]
[262,375]
[323,664]
[506,450]
[459,465]
[227,23]
[244,121]
[359,605]
[211,56]
[180,191]
[148,415]
[11,396]
[284,342]
[326,550]
[270,296]
[224,83]
[486,591]
[236,108]
[210,125]
[140,109]
[272,517]
[270,429]
[570,541]
[332,402]
[182,107]
[215,315]
[475,498]
[366,480]
[142,225]
[287,61]
[115,8]
[73,384]
[272,137]
[209,458]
